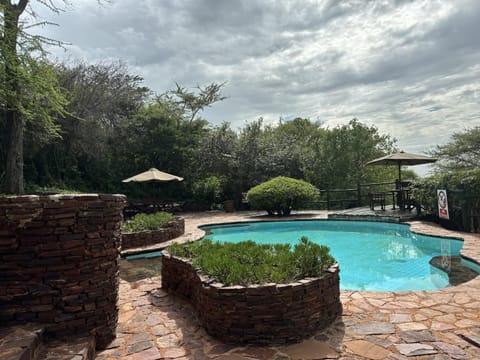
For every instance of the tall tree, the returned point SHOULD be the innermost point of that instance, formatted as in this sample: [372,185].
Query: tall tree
[340,159]
[461,153]
[29,90]
[190,102]
[102,100]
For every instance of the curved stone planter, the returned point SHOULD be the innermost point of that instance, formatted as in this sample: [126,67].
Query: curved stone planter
[59,263]
[259,314]
[172,229]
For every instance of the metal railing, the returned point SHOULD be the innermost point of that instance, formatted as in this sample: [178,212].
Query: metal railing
[334,199]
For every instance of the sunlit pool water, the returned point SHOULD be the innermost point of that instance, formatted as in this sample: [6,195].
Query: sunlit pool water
[372,256]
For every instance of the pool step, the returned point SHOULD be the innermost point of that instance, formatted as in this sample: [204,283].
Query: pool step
[27,342]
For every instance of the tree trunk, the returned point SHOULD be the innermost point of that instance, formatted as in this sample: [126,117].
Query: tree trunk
[14,166]
[15,124]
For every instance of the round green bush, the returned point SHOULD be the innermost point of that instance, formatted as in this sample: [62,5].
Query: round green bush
[281,194]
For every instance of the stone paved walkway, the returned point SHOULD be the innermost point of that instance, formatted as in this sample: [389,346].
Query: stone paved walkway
[443,324]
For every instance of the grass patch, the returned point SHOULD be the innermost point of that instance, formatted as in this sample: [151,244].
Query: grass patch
[248,263]
[143,222]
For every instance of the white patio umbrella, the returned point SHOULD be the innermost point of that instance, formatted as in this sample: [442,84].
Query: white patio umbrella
[153,175]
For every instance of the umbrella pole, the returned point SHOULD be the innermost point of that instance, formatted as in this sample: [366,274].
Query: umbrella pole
[400,194]
[399,172]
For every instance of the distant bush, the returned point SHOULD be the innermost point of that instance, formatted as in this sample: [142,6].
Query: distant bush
[247,263]
[48,190]
[281,194]
[143,222]
[207,191]
[462,185]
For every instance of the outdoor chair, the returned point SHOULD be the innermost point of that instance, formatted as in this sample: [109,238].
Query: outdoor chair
[377,198]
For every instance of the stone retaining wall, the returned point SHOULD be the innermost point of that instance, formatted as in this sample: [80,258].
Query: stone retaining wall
[262,314]
[172,230]
[59,263]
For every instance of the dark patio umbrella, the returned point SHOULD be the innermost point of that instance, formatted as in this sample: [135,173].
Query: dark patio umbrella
[402,158]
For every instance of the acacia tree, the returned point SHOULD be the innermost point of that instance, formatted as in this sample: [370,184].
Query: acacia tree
[29,90]
[461,153]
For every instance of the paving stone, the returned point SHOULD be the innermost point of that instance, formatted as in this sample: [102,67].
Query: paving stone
[417,336]
[116,343]
[168,341]
[439,326]
[161,330]
[466,323]
[149,354]
[415,349]
[136,338]
[411,326]
[400,318]
[379,341]
[258,353]
[366,350]
[137,347]
[174,352]
[154,319]
[373,328]
[311,349]
[454,351]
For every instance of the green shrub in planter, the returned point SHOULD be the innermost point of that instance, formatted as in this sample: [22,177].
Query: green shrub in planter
[247,263]
[281,194]
[143,222]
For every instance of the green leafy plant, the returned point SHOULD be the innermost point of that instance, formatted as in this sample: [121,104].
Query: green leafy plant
[281,194]
[463,189]
[143,222]
[207,191]
[248,263]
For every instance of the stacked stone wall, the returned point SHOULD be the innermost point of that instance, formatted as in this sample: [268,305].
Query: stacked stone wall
[59,263]
[260,314]
[173,229]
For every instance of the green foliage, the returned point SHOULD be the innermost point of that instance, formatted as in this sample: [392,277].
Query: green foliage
[143,222]
[247,263]
[207,191]
[36,189]
[339,159]
[29,91]
[461,186]
[461,153]
[281,194]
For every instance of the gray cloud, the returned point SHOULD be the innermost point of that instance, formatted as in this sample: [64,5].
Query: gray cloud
[409,67]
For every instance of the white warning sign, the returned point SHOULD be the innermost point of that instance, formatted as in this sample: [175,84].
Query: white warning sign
[442,204]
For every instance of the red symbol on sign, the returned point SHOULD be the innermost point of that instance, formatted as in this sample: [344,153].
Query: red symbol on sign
[442,203]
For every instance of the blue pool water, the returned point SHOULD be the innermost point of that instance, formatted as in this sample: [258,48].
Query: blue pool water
[372,256]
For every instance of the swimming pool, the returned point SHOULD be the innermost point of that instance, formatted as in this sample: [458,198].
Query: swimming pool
[372,256]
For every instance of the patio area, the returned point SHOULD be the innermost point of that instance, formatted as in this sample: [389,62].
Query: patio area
[439,324]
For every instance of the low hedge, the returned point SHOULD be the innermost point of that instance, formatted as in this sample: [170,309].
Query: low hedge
[282,194]
[143,222]
[248,263]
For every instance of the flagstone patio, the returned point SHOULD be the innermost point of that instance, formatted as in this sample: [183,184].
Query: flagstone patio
[442,324]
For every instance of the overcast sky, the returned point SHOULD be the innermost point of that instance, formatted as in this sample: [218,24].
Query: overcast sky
[411,68]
